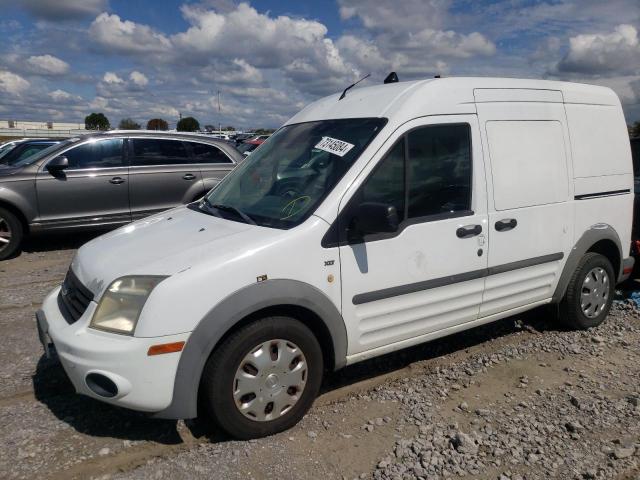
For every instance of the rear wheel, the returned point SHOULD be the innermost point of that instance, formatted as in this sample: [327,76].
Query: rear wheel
[589,294]
[11,234]
[263,378]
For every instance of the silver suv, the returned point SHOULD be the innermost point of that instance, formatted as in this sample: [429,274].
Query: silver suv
[106,180]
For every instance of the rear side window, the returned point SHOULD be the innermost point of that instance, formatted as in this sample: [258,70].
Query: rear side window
[22,152]
[96,154]
[204,153]
[528,163]
[153,151]
[30,150]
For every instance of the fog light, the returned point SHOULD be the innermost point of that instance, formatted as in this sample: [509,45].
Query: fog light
[101,385]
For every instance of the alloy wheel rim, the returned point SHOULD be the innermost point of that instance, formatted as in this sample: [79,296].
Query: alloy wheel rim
[5,233]
[270,380]
[595,292]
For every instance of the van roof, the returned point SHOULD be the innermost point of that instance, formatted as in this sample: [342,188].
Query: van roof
[403,101]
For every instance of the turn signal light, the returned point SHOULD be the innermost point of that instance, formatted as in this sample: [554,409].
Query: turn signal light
[165,348]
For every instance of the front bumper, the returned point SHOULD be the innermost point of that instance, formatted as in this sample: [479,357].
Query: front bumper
[144,382]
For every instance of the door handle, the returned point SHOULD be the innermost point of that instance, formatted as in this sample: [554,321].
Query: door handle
[469,231]
[506,224]
[117,180]
[189,176]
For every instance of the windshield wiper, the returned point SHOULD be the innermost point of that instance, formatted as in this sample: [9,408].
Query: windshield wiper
[205,205]
[230,208]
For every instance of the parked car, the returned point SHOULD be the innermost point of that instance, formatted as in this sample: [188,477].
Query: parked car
[25,149]
[221,136]
[260,138]
[635,234]
[106,180]
[421,209]
[241,137]
[249,146]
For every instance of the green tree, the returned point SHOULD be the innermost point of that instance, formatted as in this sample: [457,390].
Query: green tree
[96,121]
[128,124]
[634,130]
[229,128]
[188,124]
[263,131]
[157,124]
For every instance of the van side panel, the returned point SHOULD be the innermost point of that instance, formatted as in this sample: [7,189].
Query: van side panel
[530,153]
[603,170]
[528,178]
[599,140]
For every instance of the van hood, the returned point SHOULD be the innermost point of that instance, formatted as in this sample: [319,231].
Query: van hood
[163,244]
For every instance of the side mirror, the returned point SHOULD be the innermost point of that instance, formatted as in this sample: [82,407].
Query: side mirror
[373,217]
[58,164]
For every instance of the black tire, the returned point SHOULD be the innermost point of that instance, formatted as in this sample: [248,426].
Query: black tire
[218,379]
[11,225]
[571,308]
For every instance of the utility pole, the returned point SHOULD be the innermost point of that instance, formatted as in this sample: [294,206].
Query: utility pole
[219,121]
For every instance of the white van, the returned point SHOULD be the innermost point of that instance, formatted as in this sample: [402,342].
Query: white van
[398,214]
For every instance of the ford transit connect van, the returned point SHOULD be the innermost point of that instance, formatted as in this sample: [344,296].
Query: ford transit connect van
[394,215]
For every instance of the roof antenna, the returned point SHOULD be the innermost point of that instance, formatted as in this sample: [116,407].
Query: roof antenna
[391,78]
[344,94]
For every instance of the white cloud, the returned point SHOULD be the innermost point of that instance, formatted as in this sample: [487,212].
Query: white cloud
[99,103]
[118,36]
[138,78]
[63,9]
[232,45]
[245,33]
[413,37]
[388,15]
[449,43]
[604,54]
[12,83]
[236,72]
[110,77]
[47,65]
[61,96]
[267,66]
[122,88]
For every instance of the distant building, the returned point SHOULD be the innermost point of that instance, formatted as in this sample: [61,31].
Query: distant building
[20,125]
[19,128]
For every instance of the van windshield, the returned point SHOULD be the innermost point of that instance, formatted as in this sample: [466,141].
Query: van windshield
[281,183]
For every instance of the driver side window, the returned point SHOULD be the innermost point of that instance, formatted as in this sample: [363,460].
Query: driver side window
[426,176]
[439,170]
[96,154]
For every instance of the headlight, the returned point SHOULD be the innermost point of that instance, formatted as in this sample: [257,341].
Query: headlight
[121,304]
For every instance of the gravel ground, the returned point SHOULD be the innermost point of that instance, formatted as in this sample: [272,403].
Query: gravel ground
[518,399]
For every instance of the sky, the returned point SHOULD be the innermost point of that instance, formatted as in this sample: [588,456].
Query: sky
[63,59]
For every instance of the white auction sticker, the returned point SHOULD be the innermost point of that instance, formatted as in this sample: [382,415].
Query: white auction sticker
[335,146]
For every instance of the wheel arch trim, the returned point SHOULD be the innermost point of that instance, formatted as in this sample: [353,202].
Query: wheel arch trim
[596,233]
[230,312]
[17,206]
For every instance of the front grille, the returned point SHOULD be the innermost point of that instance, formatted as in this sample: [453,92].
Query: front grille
[73,298]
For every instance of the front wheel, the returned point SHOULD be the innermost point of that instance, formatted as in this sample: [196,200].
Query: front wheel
[11,234]
[263,378]
[589,294]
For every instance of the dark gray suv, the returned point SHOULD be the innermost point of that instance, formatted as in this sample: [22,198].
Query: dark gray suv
[106,180]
